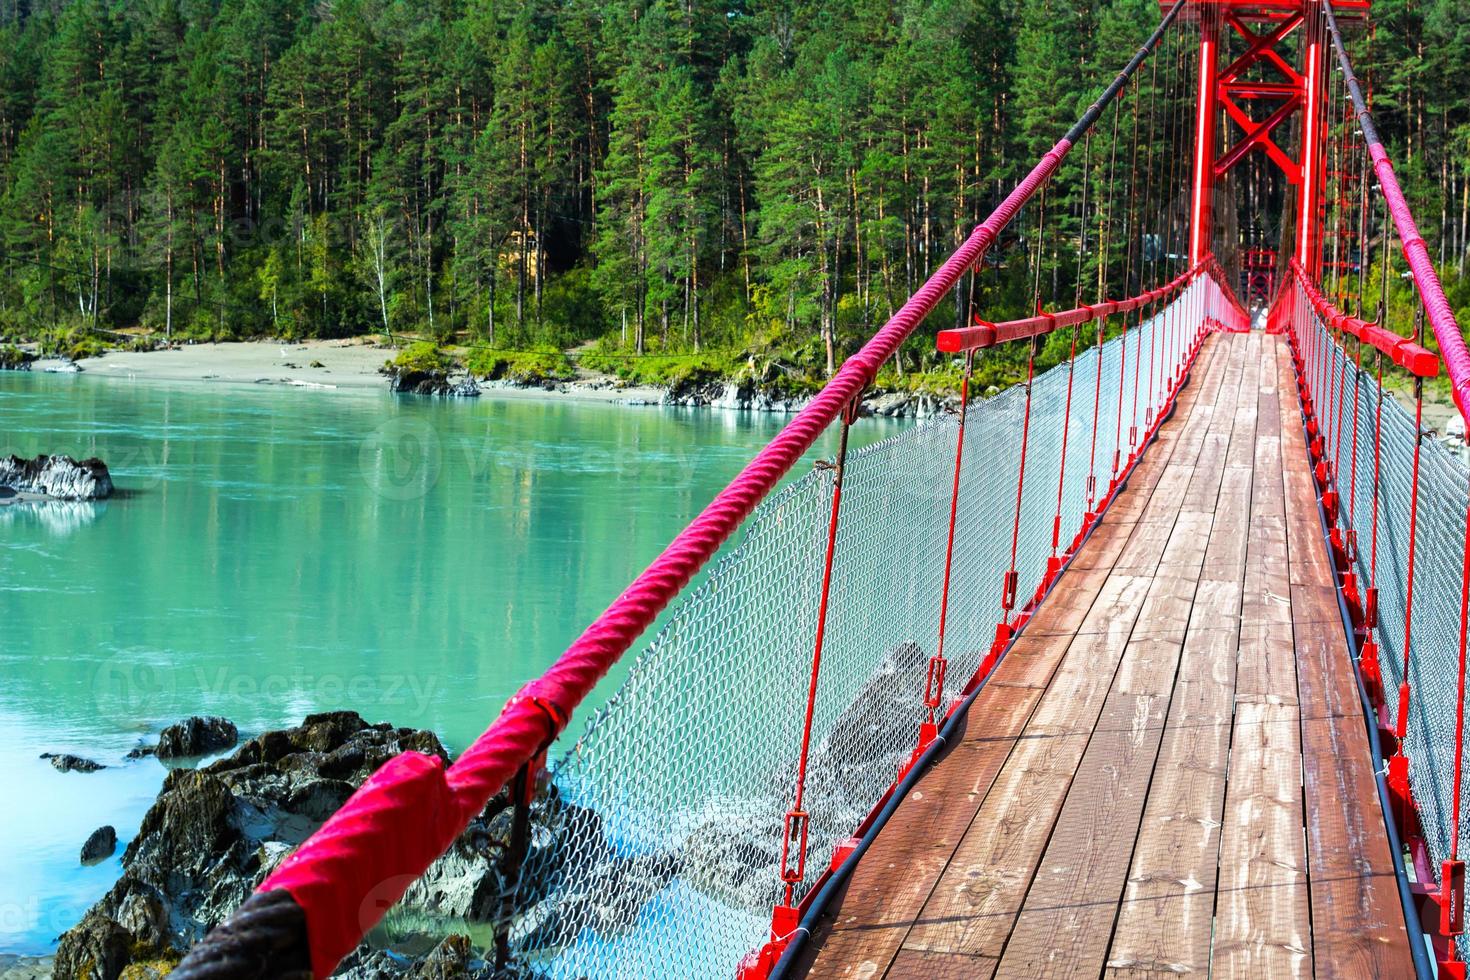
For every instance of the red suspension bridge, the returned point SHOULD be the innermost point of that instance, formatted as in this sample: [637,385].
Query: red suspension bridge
[1153,664]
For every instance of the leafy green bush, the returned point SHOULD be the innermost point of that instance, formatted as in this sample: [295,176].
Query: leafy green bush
[12,358]
[73,343]
[421,356]
[521,367]
[658,369]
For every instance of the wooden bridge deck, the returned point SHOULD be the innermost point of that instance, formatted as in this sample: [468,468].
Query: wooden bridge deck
[1169,774]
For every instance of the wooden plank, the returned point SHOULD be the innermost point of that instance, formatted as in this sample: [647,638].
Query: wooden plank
[1262,910]
[1165,917]
[1358,927]
[1225,556]
[1166,914]
[1148,818]
[1066,920]
[976,900]
[926,965]
[1262,927]
[1064,925]
[899,871]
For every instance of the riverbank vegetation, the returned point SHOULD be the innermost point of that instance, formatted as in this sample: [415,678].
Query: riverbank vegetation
[658,187]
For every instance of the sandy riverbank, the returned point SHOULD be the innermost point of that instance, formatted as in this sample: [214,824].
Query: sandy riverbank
[343,365]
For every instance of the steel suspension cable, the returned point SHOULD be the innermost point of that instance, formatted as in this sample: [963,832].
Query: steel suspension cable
[1053,563]
[412,809]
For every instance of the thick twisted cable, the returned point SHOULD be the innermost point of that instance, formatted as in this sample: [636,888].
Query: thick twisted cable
[363,859]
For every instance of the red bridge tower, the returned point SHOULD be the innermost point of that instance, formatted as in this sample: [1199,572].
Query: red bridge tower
[1284,77]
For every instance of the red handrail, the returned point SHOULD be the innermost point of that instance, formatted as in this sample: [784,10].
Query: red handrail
[1414,358]
[984,333]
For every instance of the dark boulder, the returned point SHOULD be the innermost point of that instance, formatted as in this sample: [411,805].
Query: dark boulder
[410,382]
[60,477]
[98,949]
[453,959]
[66,762]
[197,735]
[102,844]
[12,358]
[215,832]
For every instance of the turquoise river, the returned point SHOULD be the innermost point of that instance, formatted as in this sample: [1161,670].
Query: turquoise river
[273,552]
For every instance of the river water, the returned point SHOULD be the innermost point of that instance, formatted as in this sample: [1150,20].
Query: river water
[273,552]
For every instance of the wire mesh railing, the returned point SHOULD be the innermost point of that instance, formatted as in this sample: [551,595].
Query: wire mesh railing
[707,780]
[679,789]
[1396,502]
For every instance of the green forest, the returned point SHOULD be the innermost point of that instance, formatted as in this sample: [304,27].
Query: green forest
[626,177]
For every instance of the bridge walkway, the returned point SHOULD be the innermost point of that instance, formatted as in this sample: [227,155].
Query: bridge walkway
[1169,773]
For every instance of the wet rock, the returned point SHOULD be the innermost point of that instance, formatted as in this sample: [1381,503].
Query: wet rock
[452,959]
[215,832]
[102,844]
[59,477]
[66,762]
[195,736]
[12,358]
[744,394]
[698,388]
[97,948]
[142,752]
[893,404]
[431,383]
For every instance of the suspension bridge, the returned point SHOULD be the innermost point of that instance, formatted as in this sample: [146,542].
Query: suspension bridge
[1153,664]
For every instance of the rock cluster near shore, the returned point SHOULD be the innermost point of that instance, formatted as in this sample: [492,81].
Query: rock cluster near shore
[57,477]
[66,762]
[13,358]
[196,736]
[406,381]
[215,832]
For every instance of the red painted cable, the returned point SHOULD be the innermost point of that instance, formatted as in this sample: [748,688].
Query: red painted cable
[1153,339]
[1096,407]
[1009,586]
[1377,476]
[1056,527]
[954,507]
[1122,379]
[1137,379]
[816,671]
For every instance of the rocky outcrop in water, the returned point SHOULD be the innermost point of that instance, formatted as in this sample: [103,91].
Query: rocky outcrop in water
[407,382]
[58,477]
[101,844]
[196,736]
[734,855]
[215,832]
[12,358]
[907,404]
[66,762]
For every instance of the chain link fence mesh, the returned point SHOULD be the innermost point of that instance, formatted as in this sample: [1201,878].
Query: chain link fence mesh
[1349,399]
[663,857]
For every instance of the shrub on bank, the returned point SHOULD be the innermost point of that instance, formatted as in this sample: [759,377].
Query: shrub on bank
[522,367]
[421,357]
